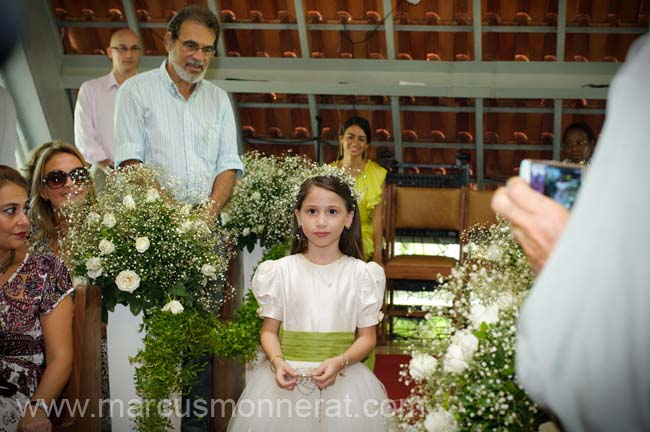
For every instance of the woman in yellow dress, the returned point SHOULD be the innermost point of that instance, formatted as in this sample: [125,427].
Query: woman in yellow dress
[354,140]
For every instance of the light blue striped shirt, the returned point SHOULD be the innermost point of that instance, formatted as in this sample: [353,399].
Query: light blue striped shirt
[192,140]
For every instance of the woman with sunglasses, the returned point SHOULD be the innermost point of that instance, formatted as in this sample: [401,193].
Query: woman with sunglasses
[57,174]
[36,312]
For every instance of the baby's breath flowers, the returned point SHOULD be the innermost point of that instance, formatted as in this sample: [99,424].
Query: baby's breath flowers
[144,248]
[261,205]
[465,380]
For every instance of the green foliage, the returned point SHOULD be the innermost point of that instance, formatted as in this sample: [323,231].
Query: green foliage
[240,337]
[167,365]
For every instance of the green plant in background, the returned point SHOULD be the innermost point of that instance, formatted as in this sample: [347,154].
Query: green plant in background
[240,337]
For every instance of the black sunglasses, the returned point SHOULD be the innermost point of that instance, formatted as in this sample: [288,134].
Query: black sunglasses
[56,179]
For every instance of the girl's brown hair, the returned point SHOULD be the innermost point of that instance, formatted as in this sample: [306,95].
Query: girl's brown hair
[350,242]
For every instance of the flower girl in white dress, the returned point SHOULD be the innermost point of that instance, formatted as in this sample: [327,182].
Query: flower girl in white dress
[313,301]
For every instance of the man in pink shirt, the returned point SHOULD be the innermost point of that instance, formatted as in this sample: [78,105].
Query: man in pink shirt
[93,114]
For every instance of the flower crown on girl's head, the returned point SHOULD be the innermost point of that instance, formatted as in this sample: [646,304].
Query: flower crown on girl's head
[330,171]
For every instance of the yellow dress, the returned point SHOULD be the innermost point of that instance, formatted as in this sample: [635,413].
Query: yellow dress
[369,187]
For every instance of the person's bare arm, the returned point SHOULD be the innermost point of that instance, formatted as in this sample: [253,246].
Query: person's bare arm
[57,334]
[325,375]
[130,162]
[221,190]
[285,375]
[537,220]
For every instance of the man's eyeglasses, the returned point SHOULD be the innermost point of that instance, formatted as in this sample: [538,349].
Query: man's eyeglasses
[56,179]
[123,49]
[190,47]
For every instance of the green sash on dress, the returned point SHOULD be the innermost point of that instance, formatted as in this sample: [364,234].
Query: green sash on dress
[313,346]
[316,347]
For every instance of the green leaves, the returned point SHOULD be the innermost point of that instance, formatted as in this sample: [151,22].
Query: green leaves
[168,362]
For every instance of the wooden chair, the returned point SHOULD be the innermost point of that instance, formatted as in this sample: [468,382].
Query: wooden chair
[424,210]
[84,385]
[479,209]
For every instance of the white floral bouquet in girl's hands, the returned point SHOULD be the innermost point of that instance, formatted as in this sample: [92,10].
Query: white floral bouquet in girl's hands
[143,247]
[261,205]
[466,379]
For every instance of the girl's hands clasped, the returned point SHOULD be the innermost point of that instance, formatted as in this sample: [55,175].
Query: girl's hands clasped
[285,375]
[325,375]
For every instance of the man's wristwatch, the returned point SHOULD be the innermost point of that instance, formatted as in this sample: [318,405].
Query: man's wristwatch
[40,403]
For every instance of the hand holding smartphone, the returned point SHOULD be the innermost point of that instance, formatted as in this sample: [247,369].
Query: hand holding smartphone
[557,180]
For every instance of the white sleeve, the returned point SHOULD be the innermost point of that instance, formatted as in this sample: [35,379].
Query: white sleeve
[268,292]
[371,297]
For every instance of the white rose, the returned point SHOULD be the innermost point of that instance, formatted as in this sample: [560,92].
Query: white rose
[79,280]
[93,218]
[507,299]
[225,218]
[440,420]
[201,227]
[109,220]
[422,365]
[129,202]
[127,280]
[455,361]
[493,252]
[94,263]
[94,274]
[152,195]
[142,244]
[483,314]
[246,231]
[548,427]
[209,270]
[106,247]
[260,229]
[185,227]
[256,196]
[174,306]
[467,342]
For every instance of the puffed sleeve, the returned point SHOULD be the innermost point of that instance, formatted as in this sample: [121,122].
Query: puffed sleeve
[371,297]
[267,291]
[57,284]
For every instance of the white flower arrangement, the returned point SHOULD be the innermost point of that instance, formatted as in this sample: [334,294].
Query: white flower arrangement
[471,385]
[261,205]
[143,247]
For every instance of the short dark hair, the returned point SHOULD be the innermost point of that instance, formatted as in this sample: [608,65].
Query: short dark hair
[11,175]
[580,126]
[355,121]
[196,14]
[350,242]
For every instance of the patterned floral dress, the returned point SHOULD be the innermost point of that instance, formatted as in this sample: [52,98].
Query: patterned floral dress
[35,289]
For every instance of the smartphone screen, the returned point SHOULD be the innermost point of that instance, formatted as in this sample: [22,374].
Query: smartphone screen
[558,181]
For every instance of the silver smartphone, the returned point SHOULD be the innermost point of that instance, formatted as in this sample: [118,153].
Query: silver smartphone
[557,180]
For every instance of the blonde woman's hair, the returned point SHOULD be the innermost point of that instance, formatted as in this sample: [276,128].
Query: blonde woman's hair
[41,212]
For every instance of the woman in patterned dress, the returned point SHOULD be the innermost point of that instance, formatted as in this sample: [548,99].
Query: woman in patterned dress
[36,313]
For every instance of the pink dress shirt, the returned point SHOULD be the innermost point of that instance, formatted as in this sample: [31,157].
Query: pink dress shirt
[93,118]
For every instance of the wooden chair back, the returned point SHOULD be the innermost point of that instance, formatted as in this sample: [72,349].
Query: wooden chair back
[84,385]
